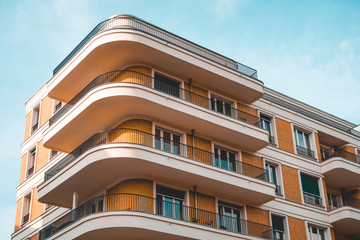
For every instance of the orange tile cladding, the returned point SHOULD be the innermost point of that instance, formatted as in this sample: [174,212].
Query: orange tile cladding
[284,135]
[23,167]
[291,184]
[257,215]
[142,187]
[252,160]
[42,156]
[27,125]
[349,149]
[203,149]
[18,214]
[37,208]
[137,74]
[197,95]
[297,228]
[247,109]
[46,110]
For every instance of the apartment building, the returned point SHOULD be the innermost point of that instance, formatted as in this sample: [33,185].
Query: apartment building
[141,134]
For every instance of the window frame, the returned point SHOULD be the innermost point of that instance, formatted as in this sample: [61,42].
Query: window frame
[55,104]
[311,142]
[236,166]
[33,124]
[312,226]
[285,223]
[242,213]
[320,187]
[27,175]
[272,130]
[172,133]
[224,101]
[28,196]
[278,177]
[162,212]
[174,79]
[51,155]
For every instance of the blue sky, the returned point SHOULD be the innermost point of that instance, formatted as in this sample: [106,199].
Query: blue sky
[309,50]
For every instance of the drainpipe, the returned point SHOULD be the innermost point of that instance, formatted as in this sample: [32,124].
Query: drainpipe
[190,88]
[193,142]
[195,201]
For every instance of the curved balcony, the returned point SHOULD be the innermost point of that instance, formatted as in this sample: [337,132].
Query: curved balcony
[345,216]
[340,168]
[105,156]
[191,223]
[123,40]
[132,93]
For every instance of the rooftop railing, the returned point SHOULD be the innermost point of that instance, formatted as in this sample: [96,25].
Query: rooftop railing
[148,205]
[342,201]
[126,135]
[133,23]
[336,152]
[145,80]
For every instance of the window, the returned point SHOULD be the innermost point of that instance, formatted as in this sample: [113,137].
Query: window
[53,153]
[272,176]
[167,141]
[57,105]
[35,119]
[31,162]
[225,158]
[278,224]
[303,145]
[166,85]
[94,205]
[230,217]
[316,233]
[169,202]
[311,190]
[26,209]
[221,106]
[358,155]
[265,123]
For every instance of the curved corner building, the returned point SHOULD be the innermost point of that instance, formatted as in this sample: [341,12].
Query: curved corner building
[141,134]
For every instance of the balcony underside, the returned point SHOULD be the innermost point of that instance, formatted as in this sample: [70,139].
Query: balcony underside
[103,166]
[106,106]
[341,173]
[134,226]
[346,221]
[115,49]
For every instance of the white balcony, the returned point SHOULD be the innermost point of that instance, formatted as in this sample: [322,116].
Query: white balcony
[106,105]
[102,165]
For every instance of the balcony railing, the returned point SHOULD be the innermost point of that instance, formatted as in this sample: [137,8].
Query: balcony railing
[336,152]
[34,127]
[341,201]
[126,135]
[138,203]
[130,22]
[312,199]
[305,151]
[278,235]
[145,80]
[272,140]
[278,189]
[25,219]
